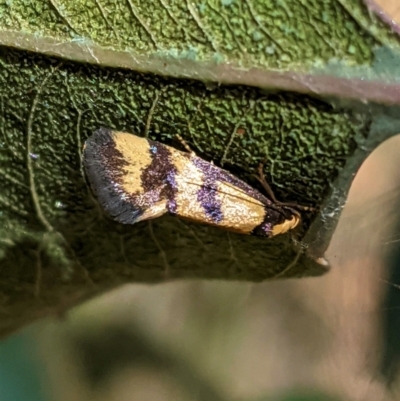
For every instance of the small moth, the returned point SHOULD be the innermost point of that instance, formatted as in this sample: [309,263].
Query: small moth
[137,179]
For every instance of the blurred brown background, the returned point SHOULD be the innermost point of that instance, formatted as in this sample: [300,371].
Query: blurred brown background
[391,7]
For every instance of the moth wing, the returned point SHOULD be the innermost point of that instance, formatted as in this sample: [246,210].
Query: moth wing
[113,162]
[153,211]
[228,189]
[206,194]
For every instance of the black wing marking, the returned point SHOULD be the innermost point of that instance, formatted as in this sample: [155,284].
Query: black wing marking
[104,164]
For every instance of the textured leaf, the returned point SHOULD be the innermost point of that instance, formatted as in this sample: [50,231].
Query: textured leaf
[248,32]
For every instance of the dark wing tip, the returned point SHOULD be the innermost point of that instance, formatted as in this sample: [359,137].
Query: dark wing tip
[104,164]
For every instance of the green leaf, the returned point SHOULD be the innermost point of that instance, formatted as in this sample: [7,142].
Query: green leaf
[56,245]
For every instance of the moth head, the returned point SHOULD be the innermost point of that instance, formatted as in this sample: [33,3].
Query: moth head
[277,220]
[289,223]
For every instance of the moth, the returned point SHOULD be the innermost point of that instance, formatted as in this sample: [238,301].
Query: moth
[136,179]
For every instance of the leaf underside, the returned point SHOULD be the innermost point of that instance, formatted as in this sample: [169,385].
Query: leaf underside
[55,241]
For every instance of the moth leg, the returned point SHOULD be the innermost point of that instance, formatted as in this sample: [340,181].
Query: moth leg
[261,178]
[185,145]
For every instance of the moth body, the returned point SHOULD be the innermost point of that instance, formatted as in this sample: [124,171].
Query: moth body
[137,179]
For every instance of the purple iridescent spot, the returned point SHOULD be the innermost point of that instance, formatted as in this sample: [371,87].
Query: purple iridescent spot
[207,194]
[171,182]
[171,206]
[267,228]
